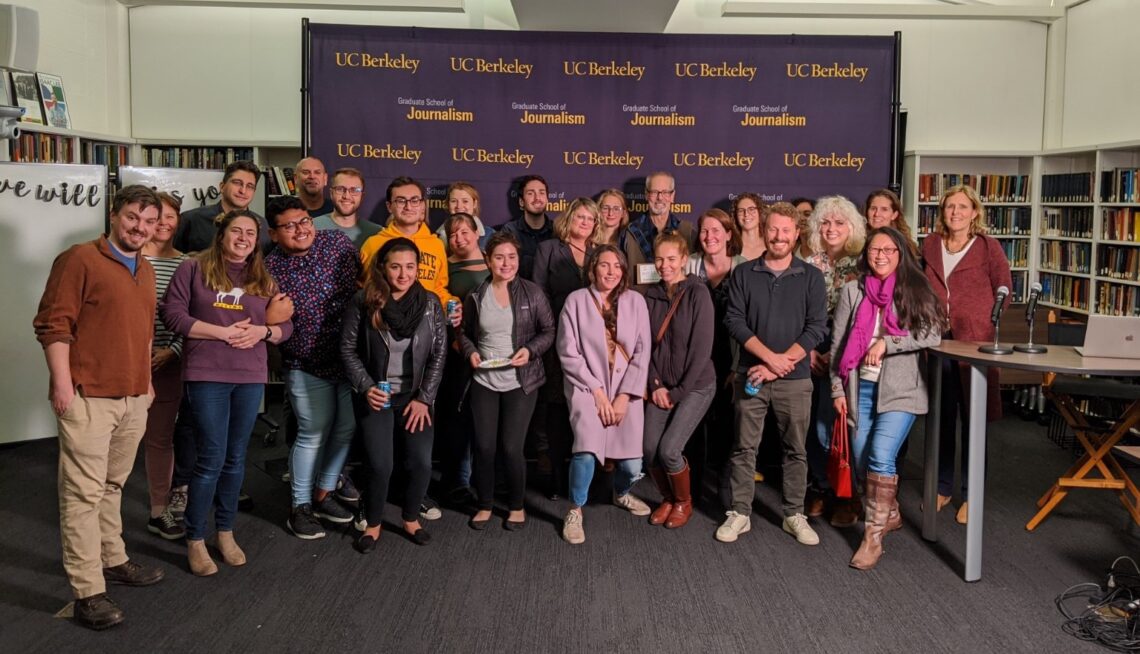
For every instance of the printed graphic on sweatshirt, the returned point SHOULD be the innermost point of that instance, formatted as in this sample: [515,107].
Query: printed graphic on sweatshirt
[230,299]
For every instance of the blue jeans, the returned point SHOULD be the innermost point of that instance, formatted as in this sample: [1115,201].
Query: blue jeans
[224,415]
[875,444]
[626,474]
[325,423]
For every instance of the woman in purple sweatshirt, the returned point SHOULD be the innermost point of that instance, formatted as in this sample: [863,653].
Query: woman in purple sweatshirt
[217,302]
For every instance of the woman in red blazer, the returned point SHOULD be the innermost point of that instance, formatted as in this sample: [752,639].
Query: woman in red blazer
[965,267]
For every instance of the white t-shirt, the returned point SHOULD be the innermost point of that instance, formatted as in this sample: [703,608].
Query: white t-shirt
[950,261]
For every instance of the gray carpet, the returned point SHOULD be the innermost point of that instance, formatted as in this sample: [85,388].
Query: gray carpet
[631,587]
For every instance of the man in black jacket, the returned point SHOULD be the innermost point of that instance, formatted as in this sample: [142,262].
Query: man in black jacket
[196,227]
[533,226]
[777,311]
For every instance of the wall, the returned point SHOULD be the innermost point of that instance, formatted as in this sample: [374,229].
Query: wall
[1101,94]
[86,43]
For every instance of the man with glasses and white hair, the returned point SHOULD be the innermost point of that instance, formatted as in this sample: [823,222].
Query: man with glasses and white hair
[660,192]
[347,194]
[318,270]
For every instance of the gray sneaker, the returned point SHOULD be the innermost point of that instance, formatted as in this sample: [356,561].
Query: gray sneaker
[572,527]
[429,510]
[177,504]
[332,510]
[303,524]
[734,525]
[797,525]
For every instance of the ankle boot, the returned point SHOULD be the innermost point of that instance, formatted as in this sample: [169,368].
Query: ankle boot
[231,553]
[661,513]
[682,499]
[881,492]
[200,562]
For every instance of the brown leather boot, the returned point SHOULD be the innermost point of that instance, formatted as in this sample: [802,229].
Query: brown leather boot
[200,562]
[894,518]
[661,513]
[682,499]
[881,492]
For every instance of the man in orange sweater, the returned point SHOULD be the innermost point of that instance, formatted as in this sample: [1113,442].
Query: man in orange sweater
[95,323]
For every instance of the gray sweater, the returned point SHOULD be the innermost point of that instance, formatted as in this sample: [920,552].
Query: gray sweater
[902,384]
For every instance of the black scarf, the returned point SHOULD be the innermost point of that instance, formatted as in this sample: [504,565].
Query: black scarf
[403,316]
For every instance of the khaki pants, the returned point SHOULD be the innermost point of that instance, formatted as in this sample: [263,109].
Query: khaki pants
[98,439]
[790,401]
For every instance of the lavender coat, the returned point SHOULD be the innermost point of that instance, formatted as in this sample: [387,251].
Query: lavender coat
[585,367]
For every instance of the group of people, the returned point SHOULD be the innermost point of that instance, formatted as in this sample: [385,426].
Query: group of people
[608,340]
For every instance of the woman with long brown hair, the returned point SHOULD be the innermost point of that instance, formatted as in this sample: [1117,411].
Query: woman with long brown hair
[613,218]
[393,345]
[217,302]
[884,209]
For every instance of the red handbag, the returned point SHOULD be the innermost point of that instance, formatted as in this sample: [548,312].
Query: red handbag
[839,460]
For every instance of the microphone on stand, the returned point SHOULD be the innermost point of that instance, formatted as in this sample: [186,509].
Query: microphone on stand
[1030,310]
[995,317]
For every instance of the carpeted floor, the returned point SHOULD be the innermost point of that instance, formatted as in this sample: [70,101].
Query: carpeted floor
[631,587]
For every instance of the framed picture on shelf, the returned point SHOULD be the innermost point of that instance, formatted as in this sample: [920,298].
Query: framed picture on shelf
[54,101]
[27,95]
[6,89]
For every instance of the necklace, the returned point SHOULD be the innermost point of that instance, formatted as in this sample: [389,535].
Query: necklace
[946,244]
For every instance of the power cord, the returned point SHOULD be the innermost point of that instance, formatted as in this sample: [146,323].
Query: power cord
[1111,615]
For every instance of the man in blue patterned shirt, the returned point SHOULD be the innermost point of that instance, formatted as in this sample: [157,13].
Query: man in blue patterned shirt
[318,270]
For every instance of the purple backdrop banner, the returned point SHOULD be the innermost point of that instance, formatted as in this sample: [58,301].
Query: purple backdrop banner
[782,116]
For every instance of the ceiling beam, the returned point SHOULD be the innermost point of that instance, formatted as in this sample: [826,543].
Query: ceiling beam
[450,6]
[755,9]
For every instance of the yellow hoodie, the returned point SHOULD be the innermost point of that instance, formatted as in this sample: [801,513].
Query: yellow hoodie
[433,259]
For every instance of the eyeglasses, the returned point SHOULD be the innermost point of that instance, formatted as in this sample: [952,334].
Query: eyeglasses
[745,211]
[408,202]
[659,194]
[291,227]
[888,252]
[606,208]
[349,190]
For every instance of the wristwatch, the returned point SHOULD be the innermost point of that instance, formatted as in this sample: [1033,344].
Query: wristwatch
[268,333]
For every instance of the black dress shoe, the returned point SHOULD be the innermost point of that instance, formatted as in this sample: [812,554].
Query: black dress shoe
[421,537]
[478,525]
[511,525]
[364,544]
[98,612]
[133,574]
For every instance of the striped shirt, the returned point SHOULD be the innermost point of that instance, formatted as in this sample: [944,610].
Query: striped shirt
[164,268]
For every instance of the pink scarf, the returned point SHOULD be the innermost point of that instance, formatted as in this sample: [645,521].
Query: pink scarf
[877,294]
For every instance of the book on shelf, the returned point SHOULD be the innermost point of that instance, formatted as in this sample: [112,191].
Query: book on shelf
[991,188]
[208,157]
[1067,187]
[1008,221]
[111,155]
[278,180]
[1072,222]
[1066,257]
[1119,262]
[1120,224]
[1020,281]
[1065,291]
[34,147]
[1119,185]
[1017,251]
[1118,299]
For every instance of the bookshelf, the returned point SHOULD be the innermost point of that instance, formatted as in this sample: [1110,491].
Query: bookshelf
[276,159]
[1066,229]
[45,144]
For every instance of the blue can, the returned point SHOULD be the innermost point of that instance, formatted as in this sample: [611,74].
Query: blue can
[452,307]
[386,387]
[751,389]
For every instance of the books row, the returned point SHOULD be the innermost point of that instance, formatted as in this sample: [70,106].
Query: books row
[279,181]
[1075,222]
[1065,291]
[1119,185]
[1121,224]
[1020,280]
[1067,187]
[1000,221]
[1118,262]
[991,188]
[1017,251]
[1067,257]
[109,154]
[1118,300]
[42,148]
[194,157]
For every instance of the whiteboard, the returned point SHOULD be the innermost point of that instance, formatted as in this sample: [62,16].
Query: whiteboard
[196,187]
[44,209]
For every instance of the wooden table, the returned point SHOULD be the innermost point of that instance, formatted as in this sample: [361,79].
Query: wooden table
[1059,358]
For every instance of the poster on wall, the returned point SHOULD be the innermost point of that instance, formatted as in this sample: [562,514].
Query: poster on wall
[54,100]
[27,95]
[194,186]
[44,209]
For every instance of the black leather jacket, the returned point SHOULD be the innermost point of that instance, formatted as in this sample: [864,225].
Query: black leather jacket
[533,327]
[364,364]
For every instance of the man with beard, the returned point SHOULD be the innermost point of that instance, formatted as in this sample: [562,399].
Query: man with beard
[533,227]
[347,196]
[311,179]
[660,191]
[777,311]
[95,323]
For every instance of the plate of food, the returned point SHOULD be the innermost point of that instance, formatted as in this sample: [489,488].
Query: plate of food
[492,364]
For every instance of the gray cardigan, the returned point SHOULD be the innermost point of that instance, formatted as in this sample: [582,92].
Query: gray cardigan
[902,384]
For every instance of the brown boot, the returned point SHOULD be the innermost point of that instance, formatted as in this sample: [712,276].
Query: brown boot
[231,553]
[845,512]
[661,513]
[682,499]
[894,518]
[200,562]
[881,492]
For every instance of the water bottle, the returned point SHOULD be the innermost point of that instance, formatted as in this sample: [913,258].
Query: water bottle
[752,388]
[386,387]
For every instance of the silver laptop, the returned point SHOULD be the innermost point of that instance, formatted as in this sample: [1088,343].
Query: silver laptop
[1114,337]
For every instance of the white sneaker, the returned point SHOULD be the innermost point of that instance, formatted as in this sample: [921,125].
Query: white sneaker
[631,503]
[572,527]
[797,525]
[733,526]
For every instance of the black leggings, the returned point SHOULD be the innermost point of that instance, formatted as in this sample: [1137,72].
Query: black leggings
[379,430]
[501,420]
